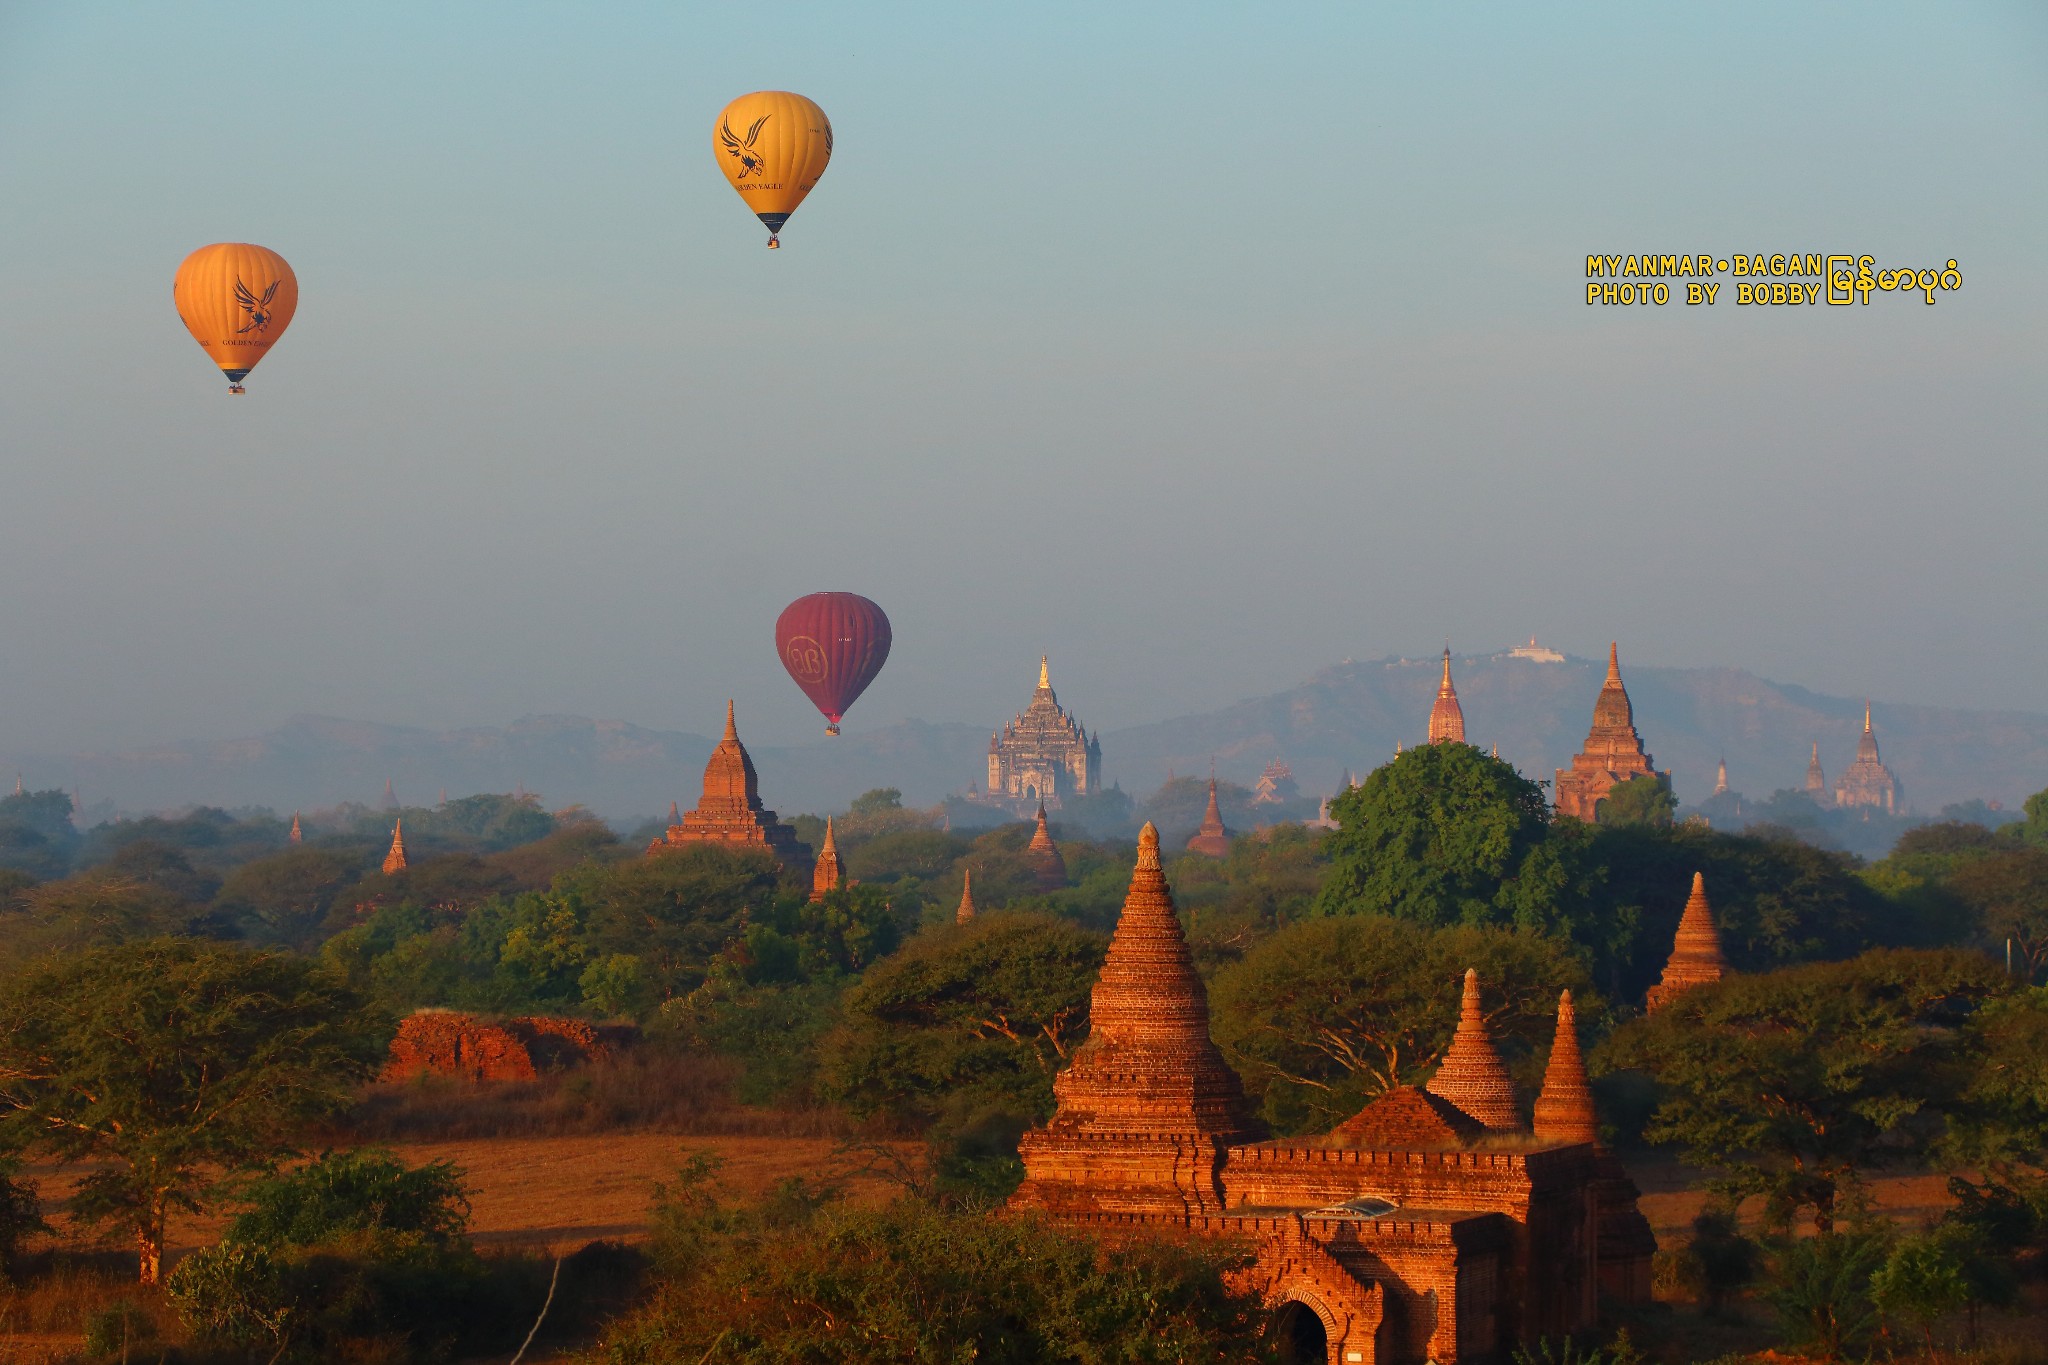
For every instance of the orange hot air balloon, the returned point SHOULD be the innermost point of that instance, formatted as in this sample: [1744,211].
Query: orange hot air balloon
[236,300]
[772,146]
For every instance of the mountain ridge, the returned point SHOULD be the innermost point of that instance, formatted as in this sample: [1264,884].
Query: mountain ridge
[1348,716]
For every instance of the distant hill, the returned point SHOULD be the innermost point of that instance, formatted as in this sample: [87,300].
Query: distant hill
[1348,716]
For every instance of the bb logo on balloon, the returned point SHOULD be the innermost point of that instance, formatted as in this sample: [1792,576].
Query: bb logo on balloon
[806,659]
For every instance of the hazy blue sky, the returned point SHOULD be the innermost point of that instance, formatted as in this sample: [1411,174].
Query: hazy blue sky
[1200,345]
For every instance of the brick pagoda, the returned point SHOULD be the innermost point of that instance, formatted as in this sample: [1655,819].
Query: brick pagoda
[1695,952]
[394,858]
[1043,755]
[829,874]
[1211,838]
[730,810]
[1412,1232]
[1044,856]
[1613,754]
[1868,782]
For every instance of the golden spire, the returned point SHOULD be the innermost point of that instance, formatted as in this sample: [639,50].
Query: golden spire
[1446,717]
[1866,715]
[966,910]
[1472,1075]
[1564,1111]
[1044,675]
[394,861]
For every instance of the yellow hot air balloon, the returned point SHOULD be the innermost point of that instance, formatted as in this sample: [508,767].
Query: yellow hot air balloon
[236,300]
[773,146]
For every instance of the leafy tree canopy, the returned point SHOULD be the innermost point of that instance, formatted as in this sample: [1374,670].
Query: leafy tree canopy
[1644,800]
[173,1061]
[1328,1014]
[964,1016]
[1793,1082]
[1431,837]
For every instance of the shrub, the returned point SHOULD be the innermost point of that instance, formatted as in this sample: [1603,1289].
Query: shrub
[1821,1289]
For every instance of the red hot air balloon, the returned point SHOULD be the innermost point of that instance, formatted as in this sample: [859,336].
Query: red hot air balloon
[833,644]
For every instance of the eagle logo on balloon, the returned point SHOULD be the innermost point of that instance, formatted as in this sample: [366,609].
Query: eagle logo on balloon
[751,162]
[257,309]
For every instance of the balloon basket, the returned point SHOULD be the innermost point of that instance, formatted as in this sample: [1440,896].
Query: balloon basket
[832,730]
[236,388]
[774,245]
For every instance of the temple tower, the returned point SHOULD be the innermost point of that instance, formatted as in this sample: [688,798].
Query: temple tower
[1043,755]
[1564,1110]
[297,835]
[1868,782]
[1147,1107]
[1564,1113]
[394,861]
[1472,1075]
[730,810]
[1211,838]
[829,874]
[1613,754]
[1816,780]
[1695,953]
[966,910]
[1446,717]
[1721,779]
[1044,856]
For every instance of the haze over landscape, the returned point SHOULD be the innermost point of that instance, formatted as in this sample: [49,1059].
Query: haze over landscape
[1200,353]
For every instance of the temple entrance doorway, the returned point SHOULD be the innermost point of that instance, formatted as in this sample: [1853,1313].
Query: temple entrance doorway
[1302,1338]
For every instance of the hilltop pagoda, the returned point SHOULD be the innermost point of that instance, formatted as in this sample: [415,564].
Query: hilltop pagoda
[1868,783]
[1043,755]
[730,810]
[1613,753]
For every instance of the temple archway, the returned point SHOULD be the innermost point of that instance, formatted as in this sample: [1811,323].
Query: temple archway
[1301,1334]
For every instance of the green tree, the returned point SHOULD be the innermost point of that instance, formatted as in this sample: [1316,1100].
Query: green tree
[2000,1131]
[804,1279]
[1328,1014]
[2008,892]
[1644,800]
[171,1063]
[1432,837]
[677,912]
[289,897]
[1820,1286]
[36,834]
[92,908]
[1792,1083]
[965,1016]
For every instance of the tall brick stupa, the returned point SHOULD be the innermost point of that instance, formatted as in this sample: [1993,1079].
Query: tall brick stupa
[730,810]
[1148,1106]
[1695,953]
[1613,753]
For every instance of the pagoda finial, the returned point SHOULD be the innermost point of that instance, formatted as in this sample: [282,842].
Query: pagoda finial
[1866,715]
[1614,663]
[297,835]
[966,910]
[1446,717]
[732,731]
[1721,778]
[1044,674]
[1564,1110]
[1472,1075]
[1148,846]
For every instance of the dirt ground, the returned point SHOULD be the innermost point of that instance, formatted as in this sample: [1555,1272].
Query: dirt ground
[565,1191]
